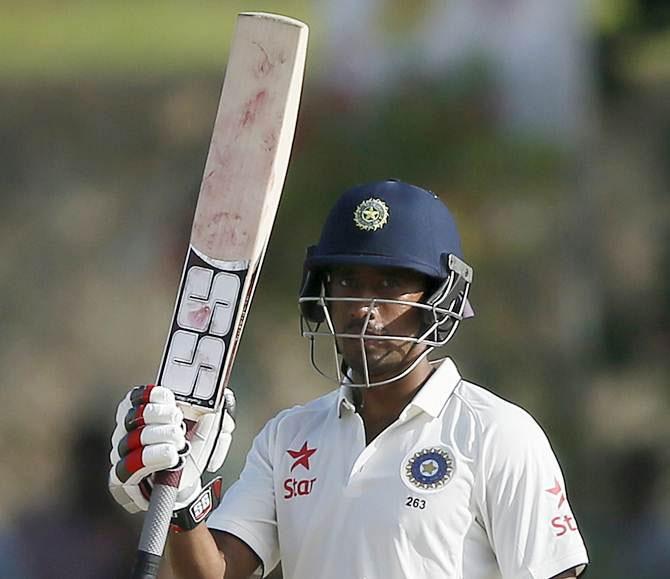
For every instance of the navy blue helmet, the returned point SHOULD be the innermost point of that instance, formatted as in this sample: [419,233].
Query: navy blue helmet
[390,224]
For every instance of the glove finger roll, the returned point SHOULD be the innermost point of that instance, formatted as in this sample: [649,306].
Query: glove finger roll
[151,393]
[152,413]
[143,461]
[222,445]
[150,435]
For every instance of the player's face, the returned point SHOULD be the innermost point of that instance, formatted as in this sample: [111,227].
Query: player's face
[385,358]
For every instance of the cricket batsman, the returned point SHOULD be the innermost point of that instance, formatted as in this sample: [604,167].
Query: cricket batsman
[405,471]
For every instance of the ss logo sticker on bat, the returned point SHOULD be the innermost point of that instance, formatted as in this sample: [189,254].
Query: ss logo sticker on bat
[200,330]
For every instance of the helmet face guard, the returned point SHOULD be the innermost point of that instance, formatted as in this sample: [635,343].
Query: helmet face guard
[441,313]
[386,224]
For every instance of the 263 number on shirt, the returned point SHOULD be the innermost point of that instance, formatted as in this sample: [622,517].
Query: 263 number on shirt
[415,503]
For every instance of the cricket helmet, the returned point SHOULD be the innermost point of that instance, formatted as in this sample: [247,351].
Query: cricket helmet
[389,224]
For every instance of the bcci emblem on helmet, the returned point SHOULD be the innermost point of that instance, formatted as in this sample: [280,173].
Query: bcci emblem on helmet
[428,469]
[371,214]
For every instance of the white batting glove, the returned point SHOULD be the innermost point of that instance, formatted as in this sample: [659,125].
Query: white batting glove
[150,436]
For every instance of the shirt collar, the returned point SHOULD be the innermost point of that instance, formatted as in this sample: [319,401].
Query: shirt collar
[438,388]
[430,399]
[345,400]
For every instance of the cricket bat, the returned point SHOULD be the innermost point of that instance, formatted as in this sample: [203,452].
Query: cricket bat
[239,195]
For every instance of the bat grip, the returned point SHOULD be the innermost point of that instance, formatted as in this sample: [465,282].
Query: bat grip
[156,525]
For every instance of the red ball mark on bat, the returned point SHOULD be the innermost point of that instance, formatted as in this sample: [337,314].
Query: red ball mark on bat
[218,162]
[264,66]
[200,316]
[225,216]
[251,108]
[209,175]
[270,142]
[237,236]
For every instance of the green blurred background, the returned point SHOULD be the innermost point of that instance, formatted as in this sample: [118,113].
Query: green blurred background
[544,125]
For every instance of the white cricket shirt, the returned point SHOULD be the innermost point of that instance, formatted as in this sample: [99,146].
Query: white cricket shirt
[464,485]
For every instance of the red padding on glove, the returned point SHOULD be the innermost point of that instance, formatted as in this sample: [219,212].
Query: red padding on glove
[133,440]
[129,465]
[135,418]
[141,394]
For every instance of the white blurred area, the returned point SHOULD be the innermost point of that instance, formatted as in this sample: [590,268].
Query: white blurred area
[538,52]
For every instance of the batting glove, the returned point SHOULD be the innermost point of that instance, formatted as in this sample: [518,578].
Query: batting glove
[150,436]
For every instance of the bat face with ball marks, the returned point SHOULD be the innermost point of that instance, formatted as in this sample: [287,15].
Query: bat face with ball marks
[243,178]
[238,200]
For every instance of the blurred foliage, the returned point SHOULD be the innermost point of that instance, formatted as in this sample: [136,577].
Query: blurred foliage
[633,42]
[614,16]
[43,39]
[437,132]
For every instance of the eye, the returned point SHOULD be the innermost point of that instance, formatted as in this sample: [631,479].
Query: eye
[389,283]
[345,281]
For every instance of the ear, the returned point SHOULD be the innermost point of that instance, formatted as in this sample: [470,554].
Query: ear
[311,288]
[452,288]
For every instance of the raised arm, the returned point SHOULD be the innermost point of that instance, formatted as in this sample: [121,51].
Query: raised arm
[207,554]
[149,437]
[569,574]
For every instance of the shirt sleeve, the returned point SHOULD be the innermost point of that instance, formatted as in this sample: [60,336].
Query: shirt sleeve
[530,525]
[247,510]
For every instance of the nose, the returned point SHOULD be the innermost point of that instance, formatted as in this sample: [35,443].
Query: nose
[363,314]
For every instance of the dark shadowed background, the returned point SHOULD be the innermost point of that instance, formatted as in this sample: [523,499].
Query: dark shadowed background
[544,125]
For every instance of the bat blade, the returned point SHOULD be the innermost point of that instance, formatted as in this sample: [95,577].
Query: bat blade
[238,200]
[242,183]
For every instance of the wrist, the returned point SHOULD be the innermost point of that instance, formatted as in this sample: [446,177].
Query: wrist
[198,510]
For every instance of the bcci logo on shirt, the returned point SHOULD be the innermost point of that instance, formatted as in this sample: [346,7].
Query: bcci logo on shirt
[428,469]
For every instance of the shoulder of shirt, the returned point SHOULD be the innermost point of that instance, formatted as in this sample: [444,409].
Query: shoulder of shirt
[494,414]
[318,406]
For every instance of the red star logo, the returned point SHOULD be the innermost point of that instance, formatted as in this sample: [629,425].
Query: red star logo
[301,456]
[556,490]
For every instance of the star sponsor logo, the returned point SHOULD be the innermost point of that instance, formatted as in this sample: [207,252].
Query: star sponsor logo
[294,487]
[564,523]
[557,491]
[299,487]
[371,214]
[428,469]
[301,456]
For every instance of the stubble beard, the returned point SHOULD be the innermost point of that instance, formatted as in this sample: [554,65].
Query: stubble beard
[385,358]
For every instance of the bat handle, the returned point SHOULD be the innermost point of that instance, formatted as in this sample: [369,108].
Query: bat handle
[156,525]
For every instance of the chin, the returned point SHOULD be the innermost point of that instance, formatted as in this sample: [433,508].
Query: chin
[377,370]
